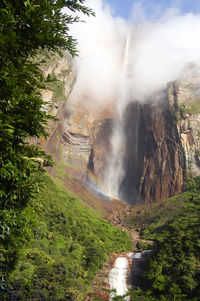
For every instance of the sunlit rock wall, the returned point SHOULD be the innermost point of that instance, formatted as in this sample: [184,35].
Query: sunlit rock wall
[184,99]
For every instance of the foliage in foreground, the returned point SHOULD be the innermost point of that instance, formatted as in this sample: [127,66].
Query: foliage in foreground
[69,245]
[25,28]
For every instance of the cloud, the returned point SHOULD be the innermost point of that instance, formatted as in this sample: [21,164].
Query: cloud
[157,53]
[161,51]
[152,11]
[101,43]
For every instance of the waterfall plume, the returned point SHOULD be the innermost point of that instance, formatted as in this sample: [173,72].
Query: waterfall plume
[114,172]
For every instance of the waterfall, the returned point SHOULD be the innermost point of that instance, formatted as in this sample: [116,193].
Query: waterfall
[115,171]
[117,278]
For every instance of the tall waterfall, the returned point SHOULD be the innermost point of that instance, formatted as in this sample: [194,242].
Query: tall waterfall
[115,171]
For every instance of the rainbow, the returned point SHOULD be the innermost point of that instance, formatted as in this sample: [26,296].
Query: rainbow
[96,183]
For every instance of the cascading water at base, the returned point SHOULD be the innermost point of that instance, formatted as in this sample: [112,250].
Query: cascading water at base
[117,278]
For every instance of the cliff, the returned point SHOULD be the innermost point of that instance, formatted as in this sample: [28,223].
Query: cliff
[161,137]
[163,141]
[155,168]
[184,102]
[78,139]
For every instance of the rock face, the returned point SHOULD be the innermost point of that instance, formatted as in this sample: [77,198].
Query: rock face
[162,136]
[56,94]
[155,168]
[163,141]
[84,141]
[184,100]
[79,140]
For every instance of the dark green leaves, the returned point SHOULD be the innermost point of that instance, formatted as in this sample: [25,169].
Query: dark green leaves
[173,272]
[26,27]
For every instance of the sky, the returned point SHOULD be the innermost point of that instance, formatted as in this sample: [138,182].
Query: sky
[153,8]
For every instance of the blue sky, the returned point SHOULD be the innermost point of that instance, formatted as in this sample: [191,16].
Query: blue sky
[153,8]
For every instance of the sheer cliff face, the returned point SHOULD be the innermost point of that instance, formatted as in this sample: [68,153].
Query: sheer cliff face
[154,163]
[163,141]
[162,138]
[184,101]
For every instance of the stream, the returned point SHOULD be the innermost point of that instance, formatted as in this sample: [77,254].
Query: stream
[119,273]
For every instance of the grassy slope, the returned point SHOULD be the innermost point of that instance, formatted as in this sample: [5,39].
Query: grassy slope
[70,244]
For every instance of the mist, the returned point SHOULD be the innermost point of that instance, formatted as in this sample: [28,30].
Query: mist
[157,54]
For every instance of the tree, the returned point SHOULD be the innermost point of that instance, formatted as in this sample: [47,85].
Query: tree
[26,27]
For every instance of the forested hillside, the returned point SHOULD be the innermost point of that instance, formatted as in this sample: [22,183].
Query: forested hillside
[173,272]
[26,27]
[69,244]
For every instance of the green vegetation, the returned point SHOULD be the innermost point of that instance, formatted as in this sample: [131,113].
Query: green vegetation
[26,28]
[173,273]
[69,245]
[148,218]
[68,242]
[190,107]
[60,171]
[144,246]
[57,86]
[189,86]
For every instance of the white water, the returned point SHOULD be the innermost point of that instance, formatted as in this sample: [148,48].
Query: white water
[115,171]
[118,275]
[138,255]
[117,278]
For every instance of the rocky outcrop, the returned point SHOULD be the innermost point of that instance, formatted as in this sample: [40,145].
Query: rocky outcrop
[83,139]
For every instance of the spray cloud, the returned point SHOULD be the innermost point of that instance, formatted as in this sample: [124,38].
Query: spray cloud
[158,53]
